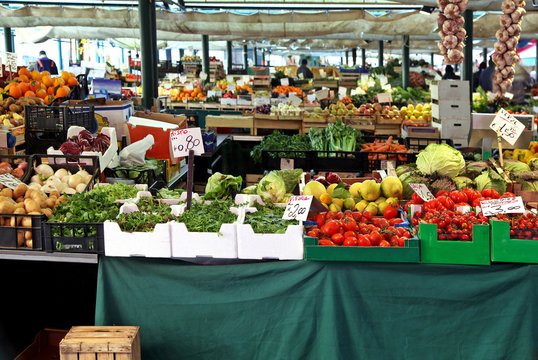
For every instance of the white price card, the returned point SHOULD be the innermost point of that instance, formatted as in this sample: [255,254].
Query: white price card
[371,83]
[11,60]
[384,98]
[322,94]
[311,97]
[262,100]
[203,76]
[285,82]
[386,87]
[422,191]
[286,164]
[240,82]
[189,87]
[211,93]
[509,127]
[10,181]
[382,173]
[491,96]
[230,87]
[342,92]
[383,79]
[182,79]
[184,140]
[295,100]
[509,95]
[510,205]
[353,92]
[297,207]
[386,164]
[322,73]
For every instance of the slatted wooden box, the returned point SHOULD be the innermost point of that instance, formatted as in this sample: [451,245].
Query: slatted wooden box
[101,343]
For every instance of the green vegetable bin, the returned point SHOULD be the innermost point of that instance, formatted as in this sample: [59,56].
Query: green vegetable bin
[408,254]
[434,251]
[504,249]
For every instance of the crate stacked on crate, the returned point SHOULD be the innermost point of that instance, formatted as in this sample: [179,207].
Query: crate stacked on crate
[451,106]
[312,119]
[349,79]
[189,69]
[388,125]
[216,71]
[47,126]
[328,83]
[361,122]
[262,78]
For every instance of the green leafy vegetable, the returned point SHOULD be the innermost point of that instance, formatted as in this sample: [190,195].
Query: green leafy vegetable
[208,217]
[290,177]
[268,220]
[220,186]
[272,188]
[440,158]
[490,179]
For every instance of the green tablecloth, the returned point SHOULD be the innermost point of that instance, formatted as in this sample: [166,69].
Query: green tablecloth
[316,310]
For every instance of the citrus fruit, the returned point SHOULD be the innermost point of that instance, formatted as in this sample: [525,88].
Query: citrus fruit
[29,93]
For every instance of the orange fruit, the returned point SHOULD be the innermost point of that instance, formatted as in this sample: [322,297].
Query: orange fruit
[65,75]
[42,93]
[24,71]
[23,78]
[50,90]
[24,87]
[36,75]
[59,82]
[72,81]
[72,75]
[61,92]
[49,99]
[47,81]
[15,91]
[45,73]
[35,85]
[29,93]
[67,88]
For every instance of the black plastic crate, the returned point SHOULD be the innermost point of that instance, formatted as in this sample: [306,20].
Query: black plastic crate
[371,138]
[374,160]
[74,237]
[315,160]
[59,118]
[140,176]
[15,160]
[420,143]
[9,234]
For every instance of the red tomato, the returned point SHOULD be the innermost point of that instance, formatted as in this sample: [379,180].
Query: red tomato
[330,228]
[446,202]
[338,239]
[458,197]
[394,221]
[492,193]
[394,241]
[401,241]
[384,243]
[364,241]
[325,242]
[432,205]
[383,223]
[351,242]
[508,194]
[349,224]
[320,219]
[357,216]
[350,234]
[314,233]
[390,212]
[366,216]
[375,238]
[416,199]
[442,193]
[476,202]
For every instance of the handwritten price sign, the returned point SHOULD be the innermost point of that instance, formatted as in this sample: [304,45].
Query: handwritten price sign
[511,205]
[422,191]
[509,127]
[297,208]
[10,181]
[186,139]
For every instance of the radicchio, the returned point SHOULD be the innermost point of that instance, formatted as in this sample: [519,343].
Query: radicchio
[70,148]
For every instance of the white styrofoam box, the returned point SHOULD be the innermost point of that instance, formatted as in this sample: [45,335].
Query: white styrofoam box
[454,109]
[450,90]
[455,128]
[287,246]
[185,244]
[104,159]
[251,199]
[461,142]
[155,244]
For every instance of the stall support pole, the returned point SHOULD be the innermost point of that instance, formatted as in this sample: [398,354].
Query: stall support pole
[467,68]
[405,61]
[380,53]
[485,55]
[255,56]
[363,56]
[146,10]
[263,58]
[354,56]
[432,59]
[205,56]
[181,53]
[8,40]
[245,56]
[60,62]
[80,55]
[536,63]
[347,56]
[228,57]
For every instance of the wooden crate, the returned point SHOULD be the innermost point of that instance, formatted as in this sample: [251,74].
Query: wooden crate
[394,130]
[361,122]
[308,125]
[392,121]
[253,179]
[101,342]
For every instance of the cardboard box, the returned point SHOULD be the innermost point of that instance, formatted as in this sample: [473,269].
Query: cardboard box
[155,244]
[221,245]
[450,90]
[453,128]
[460,142]
[453,109]
[46,346]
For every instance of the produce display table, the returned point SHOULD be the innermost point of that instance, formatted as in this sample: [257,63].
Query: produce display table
[201,114]
[318,310]
[278,125]
[230,121]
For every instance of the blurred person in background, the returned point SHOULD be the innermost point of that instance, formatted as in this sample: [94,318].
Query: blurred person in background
[450,74]
[486,76]
[476,75]
[521,84]
[43,63]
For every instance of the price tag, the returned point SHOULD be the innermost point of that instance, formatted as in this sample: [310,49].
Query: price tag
[203,76]
[211,93]
[464,209]
[262,100]
[384,98]
[297,207]
[322,94]
[186,139]
[189,87]
[509,127]
[244,100]
[383,79]
[382,173]
[371,83]
[509,95]
[295,100]
[353,92]
[11,60]
[9,181]
[386,164]
[491,96]
[322,73]
[286,164]
[230,87]
[285,82]
[311,97]
[342,92]
[511,205]
[422,191]
[182,79]
[386,87]
[240,82]
[228,101]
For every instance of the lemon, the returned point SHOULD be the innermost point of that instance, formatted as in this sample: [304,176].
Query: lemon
[361,205]
[334,207]
[339,202]
[330,188]
[325,198]
[354,189]
[349,204]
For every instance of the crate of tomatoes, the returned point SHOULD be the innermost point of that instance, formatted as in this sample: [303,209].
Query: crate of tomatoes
[514,238]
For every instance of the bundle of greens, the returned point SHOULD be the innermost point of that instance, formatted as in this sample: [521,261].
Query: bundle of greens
[144,174]
[221,187]
[165,193]
[268,220]
[207,217]
[279,141]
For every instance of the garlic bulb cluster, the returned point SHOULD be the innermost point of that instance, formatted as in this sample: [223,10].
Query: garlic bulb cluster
[451,31]
[505,56]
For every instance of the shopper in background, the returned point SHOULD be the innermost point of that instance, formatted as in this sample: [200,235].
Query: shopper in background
[521,84]
[486,76]
[450,74]
[44,63]
[303,69]
[476,75]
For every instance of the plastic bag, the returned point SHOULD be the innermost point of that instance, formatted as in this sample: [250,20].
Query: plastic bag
[135,154]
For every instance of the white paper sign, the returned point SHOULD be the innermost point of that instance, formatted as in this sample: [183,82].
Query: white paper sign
[509,127]
[385,164]
[182,78]
[230,87]
[491,96]
[511,205]
[382,173]
[311,97]
[286,164]
[509,95]
[383,98]
[322,74]
[353,92]
[211,93]
[297,207]
[322,94]
[295,100]
[9,181]
[386,87]
[262,100]
[382,79]
[11,60]
[186,139]
[422,191]
[244,100]
[228,101]
[203,76]
[371,83]
[342,92]
[285,82]
[189,87]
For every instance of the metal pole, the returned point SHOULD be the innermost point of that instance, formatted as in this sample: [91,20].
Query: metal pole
[60,66]
[354,56]
[347,57]
[363,56]
[255,56]
[79,53]
[8,40]
[405,61]
[229,57]
[536,63]
[467,66]
[181,53]
[432,59]
[205,56]
[380,54]
[263,58]
[146,9]
[485,55]
[245,56]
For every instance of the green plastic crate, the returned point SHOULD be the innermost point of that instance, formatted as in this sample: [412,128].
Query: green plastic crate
[434,251]
[408,254]
[504,249]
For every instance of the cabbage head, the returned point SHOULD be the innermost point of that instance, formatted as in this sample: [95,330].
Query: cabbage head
[490,180]
[516,166]
[272,188]
[463,182]
[440,158]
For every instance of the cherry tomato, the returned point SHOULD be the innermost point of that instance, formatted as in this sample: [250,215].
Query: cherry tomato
[314,233]
[349,224]
[350,242]
[375,238]
[383,223]
[394,221]
[325,242]
[337,238]
[401,241]
[366,216]
[350,234]
[384,243]
[357,216]
[508,194]
[320,219]
[393,241]
[330,228]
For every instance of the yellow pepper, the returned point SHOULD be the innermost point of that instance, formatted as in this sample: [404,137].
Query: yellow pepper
[533,147]
[508,154]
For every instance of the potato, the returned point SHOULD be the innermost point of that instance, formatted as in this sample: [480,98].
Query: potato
[26,222]
[7,192]
[39,198]
[20,200]
[15,108]
[56,194]
[29,244]
[19,205]
[51,202]
[47,212]
[20,238]
[28,193]
[15,221]
[19,191]
[62,199]
[31,205]
[6,207]
[28,234]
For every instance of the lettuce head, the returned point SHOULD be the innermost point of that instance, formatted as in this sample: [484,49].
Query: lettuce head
[440,158]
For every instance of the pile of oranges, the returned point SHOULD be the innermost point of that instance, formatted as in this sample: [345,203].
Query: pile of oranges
[194,95]
[41,84]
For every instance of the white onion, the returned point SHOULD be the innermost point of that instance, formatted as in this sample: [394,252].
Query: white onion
[36,179]
[60,173]
[74,180]
[80,187]
[44,170]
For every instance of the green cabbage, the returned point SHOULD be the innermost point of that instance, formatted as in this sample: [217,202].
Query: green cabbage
[490,180]
[220,186]
[290,177]
[272,188]
[411,178]
[440,158]
[533,164]
[515,166]
[463,182]
[475,168]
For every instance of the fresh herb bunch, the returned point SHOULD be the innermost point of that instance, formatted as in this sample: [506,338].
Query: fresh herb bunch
[142,221]
[142,173]
[207,218]
[115,191]
[279,141]
[268,220]
[165,193]
[149,204]
[86,207]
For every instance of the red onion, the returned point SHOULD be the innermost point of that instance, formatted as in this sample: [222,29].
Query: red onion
[508,6]
[451,11]
[502,35]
